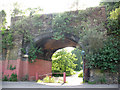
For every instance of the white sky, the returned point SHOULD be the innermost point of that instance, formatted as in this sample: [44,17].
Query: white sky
[48,6]
[69,49]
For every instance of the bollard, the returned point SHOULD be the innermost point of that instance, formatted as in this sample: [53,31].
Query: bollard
[36,76]
[64,77]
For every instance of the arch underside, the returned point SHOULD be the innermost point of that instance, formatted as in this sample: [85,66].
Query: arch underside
[49,45]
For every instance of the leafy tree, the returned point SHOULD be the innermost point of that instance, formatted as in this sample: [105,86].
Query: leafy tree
[63,61]
[79,62]
[91,36]
[23,28]
[110,6]
[2,19]
[114,14]
[16,11]
[33,10]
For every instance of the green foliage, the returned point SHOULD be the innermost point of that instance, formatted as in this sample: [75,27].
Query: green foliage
[16,11]
[3,29]
[25,78]
[12,68]
[102,80]
[24,27]
[77,52]
[33,53]
[5,78]
[48,79]
[33,11]
[60,25]
[93,82]
[13,77]
[110,6]
[107,57]
[39,81]
[69,23]
[80,74]
[2,19]
[92,36]
[7,36]
[63,61]
[113,27]
[7,39]
[114,14]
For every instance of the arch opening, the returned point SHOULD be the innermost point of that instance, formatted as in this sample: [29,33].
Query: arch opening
[68,60]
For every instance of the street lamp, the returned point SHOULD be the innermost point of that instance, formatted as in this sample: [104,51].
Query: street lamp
[26,55]
[83,53]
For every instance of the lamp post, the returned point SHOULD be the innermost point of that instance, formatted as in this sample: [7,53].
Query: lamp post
[83,53]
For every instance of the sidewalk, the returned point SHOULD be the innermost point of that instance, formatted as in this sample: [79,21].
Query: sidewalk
[72,82]
[53,85]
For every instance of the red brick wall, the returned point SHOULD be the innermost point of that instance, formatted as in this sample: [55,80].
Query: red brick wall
[41,67]
[0,69]
[6,67]
[24,67]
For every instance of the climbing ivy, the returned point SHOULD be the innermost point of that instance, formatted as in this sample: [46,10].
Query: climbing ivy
[24,28]
[33,51]
[107,58]
[2,19]
[69,22]
[61,23]
[7,35]
[7,39]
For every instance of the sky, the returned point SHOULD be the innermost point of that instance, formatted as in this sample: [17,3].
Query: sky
[69,49]
[48,6]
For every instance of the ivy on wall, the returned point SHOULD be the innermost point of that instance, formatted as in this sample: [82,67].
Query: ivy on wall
[24,28]
[92,36]
[69,22]
[107,58]
[7,39]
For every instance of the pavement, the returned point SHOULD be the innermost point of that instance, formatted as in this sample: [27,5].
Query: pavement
[54,85]
[72,82]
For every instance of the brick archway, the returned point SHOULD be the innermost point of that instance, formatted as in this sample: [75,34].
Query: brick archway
[49,46]
[45,41]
